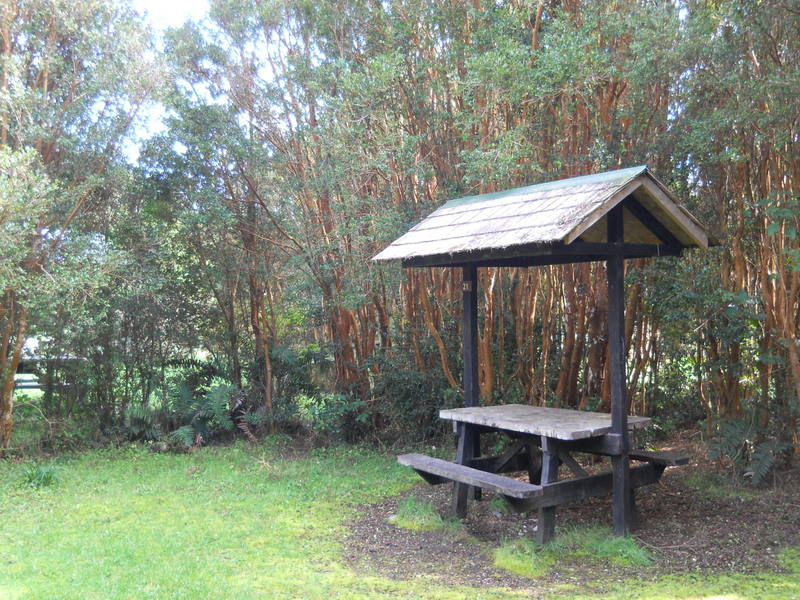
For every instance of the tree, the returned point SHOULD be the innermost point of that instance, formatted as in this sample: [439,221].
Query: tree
[74,75]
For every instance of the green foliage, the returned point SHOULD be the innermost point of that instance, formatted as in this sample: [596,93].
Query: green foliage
[499,506]
[749,448]
[204,415]
[409,400]
[719,485]
[38,475]
[623,551]
[524,557]
[597,543]
[763,458]
[790,557]
[141,421]
[184,522]
[589,544]
[300,140]
[336,415]
[419,515]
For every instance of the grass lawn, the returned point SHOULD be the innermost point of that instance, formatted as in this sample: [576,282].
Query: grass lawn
[240,522]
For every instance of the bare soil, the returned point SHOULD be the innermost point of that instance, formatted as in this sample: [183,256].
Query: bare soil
[694,520]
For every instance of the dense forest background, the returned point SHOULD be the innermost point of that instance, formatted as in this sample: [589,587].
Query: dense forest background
[213,278]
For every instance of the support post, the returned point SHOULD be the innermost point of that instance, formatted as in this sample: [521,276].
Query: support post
[546,526]
[620,464]
[468,439]
[470,336]
[465,454]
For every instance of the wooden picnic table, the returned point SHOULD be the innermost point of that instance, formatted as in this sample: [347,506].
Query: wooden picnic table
[559,423]
[541,440]
[606,217]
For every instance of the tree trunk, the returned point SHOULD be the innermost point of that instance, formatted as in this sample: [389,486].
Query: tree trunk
[7,377]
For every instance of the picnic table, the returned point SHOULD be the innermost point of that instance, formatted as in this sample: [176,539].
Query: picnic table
[605,217]
[541,440]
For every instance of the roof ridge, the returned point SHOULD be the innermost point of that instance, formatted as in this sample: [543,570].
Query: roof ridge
[623,175]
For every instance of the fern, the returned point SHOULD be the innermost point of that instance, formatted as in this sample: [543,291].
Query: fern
[730,440]
[141,421]
[763,458]
[184,435]
[217,406]
[254,419]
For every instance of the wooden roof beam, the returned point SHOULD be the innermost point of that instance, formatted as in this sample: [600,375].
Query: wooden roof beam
[550,254]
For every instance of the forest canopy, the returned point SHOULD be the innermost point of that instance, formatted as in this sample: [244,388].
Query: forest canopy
[221,283]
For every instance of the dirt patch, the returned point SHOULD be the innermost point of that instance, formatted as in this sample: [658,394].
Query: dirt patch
[693,520]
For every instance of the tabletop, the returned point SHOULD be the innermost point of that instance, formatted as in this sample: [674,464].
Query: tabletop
[560,423]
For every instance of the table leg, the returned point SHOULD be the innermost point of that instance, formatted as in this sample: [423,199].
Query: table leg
[634,510]
[547,515]
[621,495]
[534,463]
[466,449]
[476,452]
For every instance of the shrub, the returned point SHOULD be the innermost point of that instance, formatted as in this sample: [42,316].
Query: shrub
[752,448]
[205,415]
[335,415]
[40,475]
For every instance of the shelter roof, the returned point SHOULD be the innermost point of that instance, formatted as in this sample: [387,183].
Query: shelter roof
[547,218]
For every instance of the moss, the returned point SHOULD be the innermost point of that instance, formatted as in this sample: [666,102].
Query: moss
[523,557]
[417,515]
[583,544]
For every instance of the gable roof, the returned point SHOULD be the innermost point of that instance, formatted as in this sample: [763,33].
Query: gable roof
[556,212]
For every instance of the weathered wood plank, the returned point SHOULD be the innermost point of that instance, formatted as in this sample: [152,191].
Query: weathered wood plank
[515,464]
[651,222]
[558,423]
[615,268]
[465,453]
[667,458]
[575,490]
[467,475]
[535,256]
[546,527]
[572,464]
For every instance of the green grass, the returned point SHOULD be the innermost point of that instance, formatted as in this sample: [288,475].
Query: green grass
[523,557]
[242,522]
[417,515]
[719,486]
[588,545]
[597,543]
[40,475]
[235,522]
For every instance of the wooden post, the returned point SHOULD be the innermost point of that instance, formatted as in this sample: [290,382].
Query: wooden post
[546,526]
[468,441]
[466,451]
[620,464]
[470,336]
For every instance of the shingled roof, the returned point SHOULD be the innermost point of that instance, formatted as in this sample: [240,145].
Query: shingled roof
[557,212]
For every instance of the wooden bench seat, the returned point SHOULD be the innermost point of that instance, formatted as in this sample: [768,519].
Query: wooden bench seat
[436,470]
[667,458]
[526,497]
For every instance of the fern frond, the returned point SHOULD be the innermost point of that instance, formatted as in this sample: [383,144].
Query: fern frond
[184,435]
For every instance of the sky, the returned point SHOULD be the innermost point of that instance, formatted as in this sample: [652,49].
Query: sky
[171,13]
[160,14]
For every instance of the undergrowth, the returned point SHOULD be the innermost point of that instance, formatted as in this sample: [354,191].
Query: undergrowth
[40,475]
[524,557]
[418,515]
[719,486]
[592,544]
